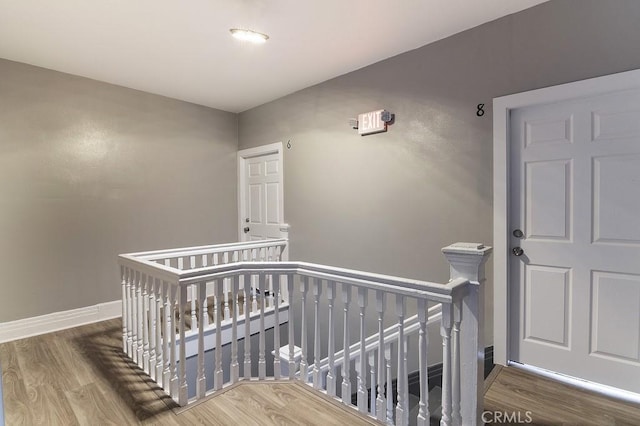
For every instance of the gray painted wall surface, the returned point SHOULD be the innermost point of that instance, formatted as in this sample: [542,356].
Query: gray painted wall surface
[89,170]
[389,202]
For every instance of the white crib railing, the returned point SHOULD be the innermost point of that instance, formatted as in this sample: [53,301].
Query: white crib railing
[152,290]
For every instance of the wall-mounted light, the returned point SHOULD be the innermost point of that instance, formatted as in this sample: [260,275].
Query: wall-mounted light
[248,35]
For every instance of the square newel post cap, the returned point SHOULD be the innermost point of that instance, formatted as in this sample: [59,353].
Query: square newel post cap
[467,260]
[472,249]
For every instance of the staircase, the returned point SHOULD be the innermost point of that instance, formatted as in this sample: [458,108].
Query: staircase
[341,332]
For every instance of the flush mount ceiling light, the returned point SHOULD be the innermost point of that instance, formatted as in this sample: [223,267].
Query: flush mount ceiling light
[248,35]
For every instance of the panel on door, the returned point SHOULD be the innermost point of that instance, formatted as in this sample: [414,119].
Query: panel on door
[575,281]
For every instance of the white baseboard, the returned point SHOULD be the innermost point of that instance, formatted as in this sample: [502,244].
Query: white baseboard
[20,329]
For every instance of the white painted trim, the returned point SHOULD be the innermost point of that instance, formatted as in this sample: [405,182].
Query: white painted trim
[56,321]
[501,112]
[244,154]
[604,390]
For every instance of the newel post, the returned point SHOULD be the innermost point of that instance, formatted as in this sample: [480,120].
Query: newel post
[467,261]
[284,233]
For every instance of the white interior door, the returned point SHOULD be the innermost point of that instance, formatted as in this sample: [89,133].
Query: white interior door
[261,193]
[575,195]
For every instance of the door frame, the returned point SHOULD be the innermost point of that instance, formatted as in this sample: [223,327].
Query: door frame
[243,155]
[501,175]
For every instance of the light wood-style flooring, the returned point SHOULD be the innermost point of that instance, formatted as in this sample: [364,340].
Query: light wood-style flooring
[81,377]
[551,403]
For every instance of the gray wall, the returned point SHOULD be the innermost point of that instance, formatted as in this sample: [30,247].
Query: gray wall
[389,202]
[89,170]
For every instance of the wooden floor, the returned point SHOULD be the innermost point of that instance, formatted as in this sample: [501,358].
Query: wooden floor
[552,403]
[81,377]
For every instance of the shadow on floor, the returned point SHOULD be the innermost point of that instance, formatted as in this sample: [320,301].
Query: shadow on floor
[102,350]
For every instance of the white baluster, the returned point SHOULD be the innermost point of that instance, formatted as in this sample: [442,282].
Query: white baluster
[331,374]
[405,388]
[262,363]
[372,373]
[270,291]
[445,332]
[456,414]
[194,304]
[201,386]
[380,401]
[270,281]
[218,378]
[254,305]
[125,314]
[346,364]
[292,362]
[389,384]
[247,326]
[204,316]
[285,293]
[423,410]
[227,283]
[317,374]
[166,345]
[182,395]
[140,317]
[276,330]
[174,364]
[401,405]
[153,322]
[362,370]
[159,349]
[235,367]
[304,286]
[145,323]
[130,312]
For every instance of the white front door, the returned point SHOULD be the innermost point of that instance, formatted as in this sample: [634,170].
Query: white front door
[574,273]
[261,198]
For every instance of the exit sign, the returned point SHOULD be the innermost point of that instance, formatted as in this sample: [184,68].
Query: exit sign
[371,122]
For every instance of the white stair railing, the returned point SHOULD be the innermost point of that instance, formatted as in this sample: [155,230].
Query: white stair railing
[322,294]
[369,344]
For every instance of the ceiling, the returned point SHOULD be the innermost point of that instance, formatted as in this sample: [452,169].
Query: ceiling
[183,49]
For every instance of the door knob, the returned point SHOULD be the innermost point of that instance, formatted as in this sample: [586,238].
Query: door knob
[517,251]
[246,229]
